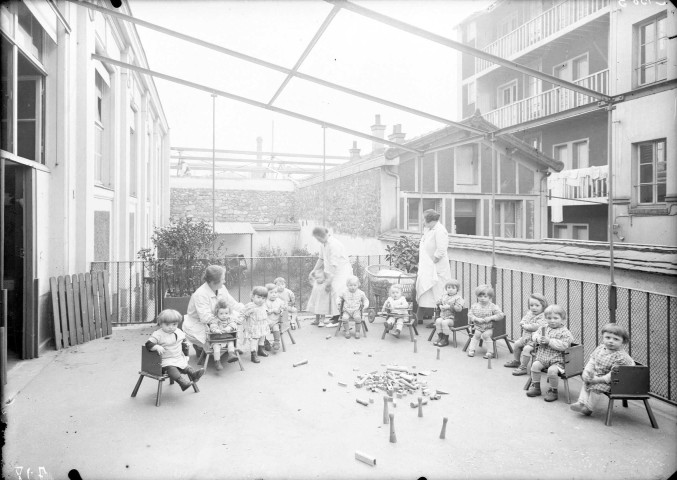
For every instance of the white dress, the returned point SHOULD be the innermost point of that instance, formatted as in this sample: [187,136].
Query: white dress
[336,262]
[432,276]
[201,312]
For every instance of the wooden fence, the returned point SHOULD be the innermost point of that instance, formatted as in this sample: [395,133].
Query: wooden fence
[82,308]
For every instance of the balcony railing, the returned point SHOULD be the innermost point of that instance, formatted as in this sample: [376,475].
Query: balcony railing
[582,183]
[546,103]
[539,28]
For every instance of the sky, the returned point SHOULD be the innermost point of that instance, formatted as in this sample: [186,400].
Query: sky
[354,51]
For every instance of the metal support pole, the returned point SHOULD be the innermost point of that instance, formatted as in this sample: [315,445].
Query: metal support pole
[492,218]
[420,192]
[214,166]
[610,162]
[324,175]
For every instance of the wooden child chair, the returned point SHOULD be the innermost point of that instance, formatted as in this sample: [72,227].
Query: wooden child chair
[629,383]
[287,331]
[499,333]
[410,323]
[364,324]
[218,338]
[460,323]
[574,363]
[151,366]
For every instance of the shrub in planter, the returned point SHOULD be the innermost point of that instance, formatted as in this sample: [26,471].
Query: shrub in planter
[403,254]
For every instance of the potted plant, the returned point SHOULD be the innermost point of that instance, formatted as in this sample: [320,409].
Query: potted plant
[180,253]
[403,254]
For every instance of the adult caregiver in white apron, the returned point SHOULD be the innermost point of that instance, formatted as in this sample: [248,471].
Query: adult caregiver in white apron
[433,265]
[201,307]
[336,265]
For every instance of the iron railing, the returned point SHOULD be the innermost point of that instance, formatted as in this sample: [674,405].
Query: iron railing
[649,317]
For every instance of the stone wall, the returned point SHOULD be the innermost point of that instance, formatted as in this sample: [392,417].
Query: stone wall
[353,204]
[253,206]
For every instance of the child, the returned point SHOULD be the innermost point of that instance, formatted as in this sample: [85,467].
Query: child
[319,302]
[597,372]
[274,306]
[255,322]
[450,302]
[225,323]
[552,341]
[397,309]
[287,296]
[532,321]
[354,302]
[170,343]
[481,315]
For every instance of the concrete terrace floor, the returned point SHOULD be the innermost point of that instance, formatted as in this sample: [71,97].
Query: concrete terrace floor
[72,409]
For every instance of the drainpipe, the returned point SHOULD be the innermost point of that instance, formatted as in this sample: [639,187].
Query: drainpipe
[390,173]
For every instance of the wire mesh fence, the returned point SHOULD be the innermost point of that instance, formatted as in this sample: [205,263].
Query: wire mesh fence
[649,317]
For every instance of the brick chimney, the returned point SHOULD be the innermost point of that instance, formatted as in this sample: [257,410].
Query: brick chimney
[377,130]
[397,136]
[354,152]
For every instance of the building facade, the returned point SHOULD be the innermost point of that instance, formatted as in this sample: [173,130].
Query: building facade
[85,154]
[615,48]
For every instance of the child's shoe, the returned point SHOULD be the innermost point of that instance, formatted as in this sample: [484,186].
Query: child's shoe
[217,363]
[396,333]
[581,408]
[534,390]
[445,340]
[184,384]
[513,364]
[521,370]
[195,375]
[255,359]
[551,395]
[261,352]
[439,339]
[232,357]
[316,322]
[488,355]
[266,345]
[357,330]
[346,329]
[471,353]
[276,340]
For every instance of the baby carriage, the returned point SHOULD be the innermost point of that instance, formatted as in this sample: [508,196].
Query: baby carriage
[379,278]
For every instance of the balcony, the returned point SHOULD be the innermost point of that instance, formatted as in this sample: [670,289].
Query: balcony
[549,102]
[568,186]
[548,24]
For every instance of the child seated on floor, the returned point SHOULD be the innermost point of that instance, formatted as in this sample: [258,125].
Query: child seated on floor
[255,323]
[274,306]
[451,302]
[530,323]
[289,299]
[482,314]
[170,343]
[552,341]
[319,302]
[397,309]
[597,372]
[225,323]
[354,302]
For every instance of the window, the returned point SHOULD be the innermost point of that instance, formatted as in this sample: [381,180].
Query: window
[465,217]
[29,34]
[472,94]
[99,129]
[573,155]
[570,231]
[651,172]
[507,93]
[133,161]
[30,111]
[466,165]
[415,212]
[507,220]
[652,55]
[6,86]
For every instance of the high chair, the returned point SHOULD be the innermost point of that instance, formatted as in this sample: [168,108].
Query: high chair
[218,338]
[364,324]
[151,366]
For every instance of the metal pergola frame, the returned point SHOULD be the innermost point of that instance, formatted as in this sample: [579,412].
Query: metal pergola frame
[605,101]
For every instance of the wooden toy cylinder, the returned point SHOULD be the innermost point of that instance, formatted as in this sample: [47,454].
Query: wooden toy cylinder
[393,437]
[438,353]
[420,407]
[385,410]
[300,363]
[415,346]
[363,457]
[444,428]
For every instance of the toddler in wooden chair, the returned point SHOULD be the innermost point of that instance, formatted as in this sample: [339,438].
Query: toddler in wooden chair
[451,302]
[170,343]
[530,323]
[352,303]
[397,309]
[226,322]
[274,306]
[482,314]
[597,372]
[289,299]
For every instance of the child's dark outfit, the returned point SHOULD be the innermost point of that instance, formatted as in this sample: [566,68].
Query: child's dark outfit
[174,361]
